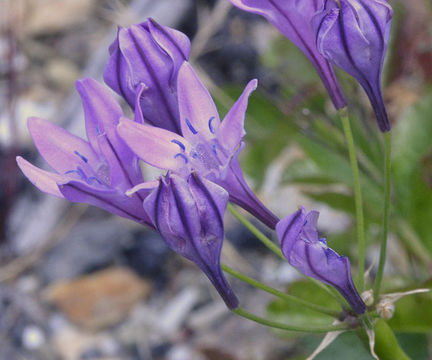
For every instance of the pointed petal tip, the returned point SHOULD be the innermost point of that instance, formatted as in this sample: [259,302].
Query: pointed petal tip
[20,160]
[45,181]
[86,81]
[33,122]
[123,121]
[253,84]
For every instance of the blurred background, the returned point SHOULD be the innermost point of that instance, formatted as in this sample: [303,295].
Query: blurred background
[78,283]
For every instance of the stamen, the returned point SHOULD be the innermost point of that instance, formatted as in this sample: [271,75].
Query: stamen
[214,147]
[94,178]
[183,148]
[182,156]
[191,128]
[77,171]
[82,157]
[71,172]
[81,173]
[149,185]
[210,124]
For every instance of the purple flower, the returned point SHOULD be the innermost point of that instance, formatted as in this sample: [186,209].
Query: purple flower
[97,171]
[188,212]
[208,146]
[354,34]
[293,19]
[304,250]
[147,57]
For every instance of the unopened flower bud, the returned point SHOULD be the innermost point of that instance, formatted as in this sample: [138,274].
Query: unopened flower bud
[385,309]
[188,213]
[368,297]
[310,254]
[293,19]
[354,34]
[148,56]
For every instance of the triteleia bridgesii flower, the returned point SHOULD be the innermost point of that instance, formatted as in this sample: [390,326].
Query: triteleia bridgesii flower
[148,56]
[310,254]
[188,212]
[354,34]
[293,19]
[97,171]
[208,146]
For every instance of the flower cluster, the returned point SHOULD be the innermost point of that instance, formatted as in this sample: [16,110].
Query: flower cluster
[176,128]
[351,34]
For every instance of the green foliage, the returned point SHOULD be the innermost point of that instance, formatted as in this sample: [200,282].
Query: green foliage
[268,132]
[412,145]
[293,313]
[413,314]
[386,344]
[346,346]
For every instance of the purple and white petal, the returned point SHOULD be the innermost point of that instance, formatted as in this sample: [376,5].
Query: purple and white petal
[158,147]
[45,181]
[198,114]
[176,44]
[232,129]
[62,150]
[310,254]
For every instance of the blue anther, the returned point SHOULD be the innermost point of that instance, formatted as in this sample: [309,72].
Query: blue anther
[82,157]
[214,147]
[210,124]
[77,171]
[182,156]
[191,128]
[183,148]
[81,173]
[98,132]
[71,172]
[93,178]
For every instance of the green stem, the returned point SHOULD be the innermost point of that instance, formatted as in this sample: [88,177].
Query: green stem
[386,345]
[254,230]
[410,239]
[343,113]
[277,325]
[386,213]
[273,247]
[278,293]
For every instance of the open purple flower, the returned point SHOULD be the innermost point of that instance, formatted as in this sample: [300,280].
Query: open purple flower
[208,146]
[293,19]
[310,254]
[148,56]
[188,212]
[354,34]
[97,171]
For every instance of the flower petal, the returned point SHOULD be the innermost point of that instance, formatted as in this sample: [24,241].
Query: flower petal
[102,112]
[292,18]
[158,147]
[304,250]
[199,117]
[149,65]
[232,130]
[242,195]
[176,44]
[105,198]
[62,150]
[189,215]
[44,180]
